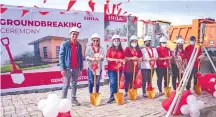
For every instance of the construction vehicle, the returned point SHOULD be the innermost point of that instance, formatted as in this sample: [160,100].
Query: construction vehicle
[205,32]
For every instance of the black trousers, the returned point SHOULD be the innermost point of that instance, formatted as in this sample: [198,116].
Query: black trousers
[193,75]
[129,80]
[146,75]
[175,72]
[161,73]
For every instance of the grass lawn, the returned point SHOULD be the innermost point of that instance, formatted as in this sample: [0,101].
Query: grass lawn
[8,68]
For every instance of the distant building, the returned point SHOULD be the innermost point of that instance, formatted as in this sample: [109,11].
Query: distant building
[47,48]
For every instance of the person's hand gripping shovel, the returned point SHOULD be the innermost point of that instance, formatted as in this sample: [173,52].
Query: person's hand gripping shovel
[119,97]
[95,98]
[132,93]
[16,74]
[150,91]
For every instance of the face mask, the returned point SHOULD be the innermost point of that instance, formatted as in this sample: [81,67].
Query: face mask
[148,44]
[116,43]
[192,42]
[163,44]
[134,44]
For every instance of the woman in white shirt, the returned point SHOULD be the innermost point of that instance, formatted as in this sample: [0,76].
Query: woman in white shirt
[149,58]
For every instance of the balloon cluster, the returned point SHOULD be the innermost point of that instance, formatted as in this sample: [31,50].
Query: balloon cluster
[167,102]
[208,83]
[192,107]
[53,106]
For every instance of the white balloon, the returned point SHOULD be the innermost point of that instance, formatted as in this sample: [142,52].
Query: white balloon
[42,104]
[185,109]
[212,79]
[214,94]
[200,104]
[195,114]
[64,105]
[191,99]
[194,108]
[53,100]
[50,111]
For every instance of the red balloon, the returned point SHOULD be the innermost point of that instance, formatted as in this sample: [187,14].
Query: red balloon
[167,102]
[67,114]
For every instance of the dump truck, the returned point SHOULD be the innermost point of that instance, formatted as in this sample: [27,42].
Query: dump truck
[205,32]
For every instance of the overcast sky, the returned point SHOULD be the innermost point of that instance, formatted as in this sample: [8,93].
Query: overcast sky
[178,12]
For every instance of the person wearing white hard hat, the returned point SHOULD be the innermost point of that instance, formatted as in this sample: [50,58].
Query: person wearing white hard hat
[148,63]
[163,62]
[115,57]
[188,52]
[178,63]
[94,56]
[132,56]
[71,63]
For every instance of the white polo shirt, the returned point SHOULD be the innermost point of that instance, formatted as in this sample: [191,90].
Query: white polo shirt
[145,64]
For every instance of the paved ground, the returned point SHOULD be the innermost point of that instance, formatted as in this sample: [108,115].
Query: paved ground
[26,105]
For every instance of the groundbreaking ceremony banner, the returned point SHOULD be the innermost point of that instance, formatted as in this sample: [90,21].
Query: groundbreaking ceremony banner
[30,43]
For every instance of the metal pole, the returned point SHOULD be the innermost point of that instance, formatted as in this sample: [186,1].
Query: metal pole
[184,80]
[212,63]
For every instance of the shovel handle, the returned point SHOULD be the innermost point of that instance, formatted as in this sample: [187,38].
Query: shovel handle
[95,91]
[118,81]
[134,70]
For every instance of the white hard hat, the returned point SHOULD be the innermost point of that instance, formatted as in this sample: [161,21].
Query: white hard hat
[115,37]
[134,37]
[74,29]
[95,35]
[180,40]
[147,38]
[163,39]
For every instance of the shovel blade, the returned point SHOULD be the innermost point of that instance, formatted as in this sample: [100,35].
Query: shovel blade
[167,91]
[132,94]
[197,89]
[18,78]
[95,99]
[151,93]
[119,98]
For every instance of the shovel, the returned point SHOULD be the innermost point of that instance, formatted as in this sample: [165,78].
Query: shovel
[197,87]
[132,93]
[95,97]
[119,97]
[150,90]
[16,74]
[167,90]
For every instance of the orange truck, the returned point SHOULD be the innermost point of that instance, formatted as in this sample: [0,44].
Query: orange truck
[205,32]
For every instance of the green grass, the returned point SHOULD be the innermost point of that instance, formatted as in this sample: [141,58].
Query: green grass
[8,68]
[36,67]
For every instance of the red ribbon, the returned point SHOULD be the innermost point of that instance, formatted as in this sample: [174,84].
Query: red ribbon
[152,63]
[124,12]
[3,10]
[94,67]
[119,11]
[45,1]
[134,20]
[118,5]
[106,9]
[43,12]
[36,6]
[24,12]
[91,5]
[70,4]
[113,9]
[62,12]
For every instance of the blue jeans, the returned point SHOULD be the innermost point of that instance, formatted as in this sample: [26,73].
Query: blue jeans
[113,77]
[128,80]
[91,81]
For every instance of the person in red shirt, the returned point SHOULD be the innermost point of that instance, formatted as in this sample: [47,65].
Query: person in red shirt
[132,55]
[115,56]
[164,55]
[188,52]
[178,63]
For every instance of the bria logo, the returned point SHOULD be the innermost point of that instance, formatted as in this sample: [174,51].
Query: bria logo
[115,18]
[91,18]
